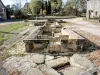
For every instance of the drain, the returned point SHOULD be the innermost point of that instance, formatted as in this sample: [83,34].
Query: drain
[61,67]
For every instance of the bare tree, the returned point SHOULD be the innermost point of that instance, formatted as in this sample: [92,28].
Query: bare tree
[78,5]
[18,3]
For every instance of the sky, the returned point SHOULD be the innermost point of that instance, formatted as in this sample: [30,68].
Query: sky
[10,2]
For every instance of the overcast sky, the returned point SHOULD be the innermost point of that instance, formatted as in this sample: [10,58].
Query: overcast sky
[10,2]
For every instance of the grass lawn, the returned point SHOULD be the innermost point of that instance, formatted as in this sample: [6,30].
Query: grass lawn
[6,31]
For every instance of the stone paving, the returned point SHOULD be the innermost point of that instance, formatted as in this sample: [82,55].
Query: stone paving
[39,64]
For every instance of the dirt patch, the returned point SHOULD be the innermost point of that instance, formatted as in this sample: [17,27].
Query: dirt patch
[93,38]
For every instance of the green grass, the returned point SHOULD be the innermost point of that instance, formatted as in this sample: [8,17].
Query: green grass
[6,30]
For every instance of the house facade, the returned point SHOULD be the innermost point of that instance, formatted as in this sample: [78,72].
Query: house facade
[3,14]
[26,7]
[93,9]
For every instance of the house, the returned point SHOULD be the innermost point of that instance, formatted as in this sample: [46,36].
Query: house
[93,9]
[3,14]
[26,7]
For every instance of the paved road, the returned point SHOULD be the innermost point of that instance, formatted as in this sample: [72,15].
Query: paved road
[12,22]
[7,22]
[91,27]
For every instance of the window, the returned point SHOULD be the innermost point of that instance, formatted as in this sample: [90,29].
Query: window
[0,10]
[97,4]
[96,12]
[90,6]
[4,10]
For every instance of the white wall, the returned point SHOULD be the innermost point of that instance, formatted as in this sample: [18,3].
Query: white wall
[4,13]
[95,6]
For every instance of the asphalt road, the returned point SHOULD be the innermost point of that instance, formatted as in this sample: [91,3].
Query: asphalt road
[8,22]
[12,22]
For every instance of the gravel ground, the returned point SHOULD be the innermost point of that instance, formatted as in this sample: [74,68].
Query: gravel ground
[89,30]
[93,38]
[18,48]
[2,70]
[91,27]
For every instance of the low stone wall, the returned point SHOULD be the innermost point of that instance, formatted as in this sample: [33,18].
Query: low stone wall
[54,49]
[64,40]
[36,45]
[77,45]
[57,30]
[39,23]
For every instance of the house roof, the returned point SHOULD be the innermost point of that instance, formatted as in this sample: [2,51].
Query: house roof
[2,3]
[26,5]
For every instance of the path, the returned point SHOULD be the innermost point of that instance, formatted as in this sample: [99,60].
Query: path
[19,45]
